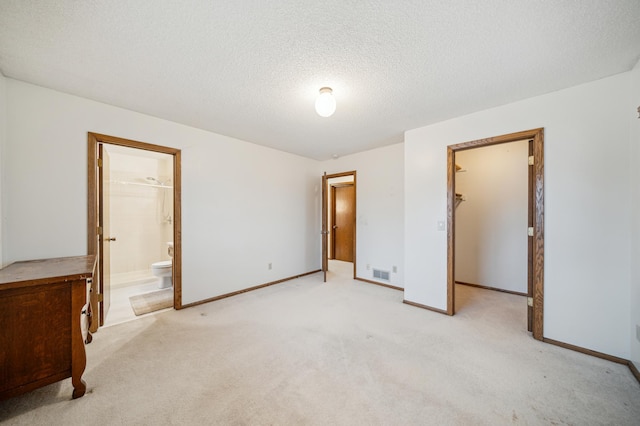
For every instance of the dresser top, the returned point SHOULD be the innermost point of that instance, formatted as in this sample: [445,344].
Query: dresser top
[43,271]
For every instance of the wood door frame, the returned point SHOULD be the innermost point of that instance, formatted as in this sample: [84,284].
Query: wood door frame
[332,196]
[93,140]
[536,263]
[325,213]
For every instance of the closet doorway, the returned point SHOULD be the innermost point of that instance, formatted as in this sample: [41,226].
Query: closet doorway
[161,186]
[534,228]
[339,223]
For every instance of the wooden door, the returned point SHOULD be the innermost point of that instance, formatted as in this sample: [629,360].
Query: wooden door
[105,238]
[324,231]
[343,214]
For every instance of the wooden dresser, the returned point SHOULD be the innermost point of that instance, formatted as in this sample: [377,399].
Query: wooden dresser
[42,320]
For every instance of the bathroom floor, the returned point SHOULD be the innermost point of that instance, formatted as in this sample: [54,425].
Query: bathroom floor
[120,310]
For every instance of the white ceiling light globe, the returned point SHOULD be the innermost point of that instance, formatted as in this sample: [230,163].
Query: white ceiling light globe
[325,103]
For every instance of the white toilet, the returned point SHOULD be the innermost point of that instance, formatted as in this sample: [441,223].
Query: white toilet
[164,270]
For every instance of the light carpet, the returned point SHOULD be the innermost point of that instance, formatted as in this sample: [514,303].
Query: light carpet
[341,353]
[152,301]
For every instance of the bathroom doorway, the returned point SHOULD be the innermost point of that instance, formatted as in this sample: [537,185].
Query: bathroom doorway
[134,210]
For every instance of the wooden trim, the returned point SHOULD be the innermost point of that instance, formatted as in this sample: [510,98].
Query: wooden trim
[177,230]
[586,351]
[92,191]
[341,184]
[342,174]
[380,284]
[537,135]
[517,293]
[113,140]
[93,139]
[246,290]
[324,231]
[451,230]
[92,224]
[496,140]
[634,370]
[429,308]
[538,243]
[355,214]
[355,222]
[331,223]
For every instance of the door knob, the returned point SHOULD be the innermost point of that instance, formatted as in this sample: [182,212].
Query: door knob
[111,239]
[335,226]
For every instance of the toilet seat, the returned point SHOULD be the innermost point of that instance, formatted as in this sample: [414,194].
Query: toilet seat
[162,264]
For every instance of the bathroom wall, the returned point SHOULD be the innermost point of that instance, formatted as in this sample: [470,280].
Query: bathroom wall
[491,222]
[141,212]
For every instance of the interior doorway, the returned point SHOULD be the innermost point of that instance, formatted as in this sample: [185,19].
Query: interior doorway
[167,188]
[339,222]
[535,231]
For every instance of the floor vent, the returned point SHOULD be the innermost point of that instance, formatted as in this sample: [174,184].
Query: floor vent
[383,275]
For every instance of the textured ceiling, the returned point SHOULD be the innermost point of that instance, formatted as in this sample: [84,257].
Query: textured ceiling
[252,69]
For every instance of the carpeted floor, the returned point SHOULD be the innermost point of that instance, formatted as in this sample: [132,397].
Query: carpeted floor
[344,352]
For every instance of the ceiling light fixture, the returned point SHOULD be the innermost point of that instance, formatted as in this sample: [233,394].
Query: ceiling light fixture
[325,103]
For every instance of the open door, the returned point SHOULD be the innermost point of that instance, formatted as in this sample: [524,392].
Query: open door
[325,231]
[98,237]
[104,233]
[344,220]
[349,179]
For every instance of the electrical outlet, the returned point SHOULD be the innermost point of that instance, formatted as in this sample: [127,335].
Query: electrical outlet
[395,269]
[638,332]
[269,266]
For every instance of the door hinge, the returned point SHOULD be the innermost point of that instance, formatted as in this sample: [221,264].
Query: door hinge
[99,230]
[530,301]
[100,297]
[530,231]
[99,162]
[531,161]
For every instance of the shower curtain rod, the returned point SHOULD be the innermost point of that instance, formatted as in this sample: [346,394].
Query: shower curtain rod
[140,184]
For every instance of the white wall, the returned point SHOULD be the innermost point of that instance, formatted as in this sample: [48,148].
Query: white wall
[634,299]
[587,207]
[3,135]
[243,205]
[379,204]
[491,224]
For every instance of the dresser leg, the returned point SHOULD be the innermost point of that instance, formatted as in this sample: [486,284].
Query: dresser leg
[78,354]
